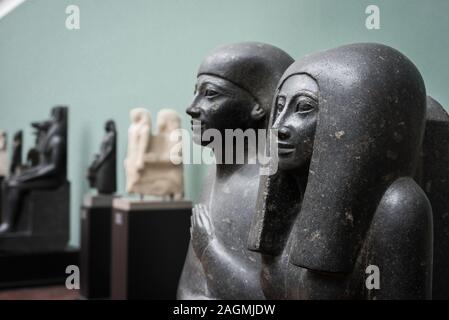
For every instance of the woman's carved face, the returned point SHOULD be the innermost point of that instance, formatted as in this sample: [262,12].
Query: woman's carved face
[295,118]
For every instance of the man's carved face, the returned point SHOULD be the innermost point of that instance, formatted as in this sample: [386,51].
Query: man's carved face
[219,104]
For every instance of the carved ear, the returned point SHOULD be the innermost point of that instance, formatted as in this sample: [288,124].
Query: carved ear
[258,112]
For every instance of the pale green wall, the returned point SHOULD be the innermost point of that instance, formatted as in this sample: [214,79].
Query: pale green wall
[146,52]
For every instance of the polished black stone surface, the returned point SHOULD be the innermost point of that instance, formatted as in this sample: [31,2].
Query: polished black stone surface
[234,90]
[350,124]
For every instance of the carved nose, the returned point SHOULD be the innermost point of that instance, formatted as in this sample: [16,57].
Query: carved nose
[284,133]
[194,112]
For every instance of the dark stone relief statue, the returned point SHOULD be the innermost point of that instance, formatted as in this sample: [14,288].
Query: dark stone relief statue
[49,173]
[234,90]
[350,125]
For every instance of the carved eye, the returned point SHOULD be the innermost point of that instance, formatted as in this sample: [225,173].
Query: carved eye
[210,93]
[305,105]
[280,104]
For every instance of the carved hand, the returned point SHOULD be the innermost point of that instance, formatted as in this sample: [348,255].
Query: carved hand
[201,230]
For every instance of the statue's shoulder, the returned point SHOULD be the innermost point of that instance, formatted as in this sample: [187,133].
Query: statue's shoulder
[56,140]
[403,216]
[404,203]
[401,243]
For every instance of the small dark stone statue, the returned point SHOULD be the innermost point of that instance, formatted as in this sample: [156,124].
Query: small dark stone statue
[102,173]
[234,90]
[16,160]
[49,174]
[344,206]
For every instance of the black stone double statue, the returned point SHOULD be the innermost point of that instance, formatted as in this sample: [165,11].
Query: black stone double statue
[344,203]
[234,90]
[36,199]
[102,173]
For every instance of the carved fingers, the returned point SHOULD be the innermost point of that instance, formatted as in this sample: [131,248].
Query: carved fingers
[201,230]
[203,218]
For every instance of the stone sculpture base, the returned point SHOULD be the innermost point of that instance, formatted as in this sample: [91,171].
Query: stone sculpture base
[95,255]
[44,223]
[149,245]
[32,269]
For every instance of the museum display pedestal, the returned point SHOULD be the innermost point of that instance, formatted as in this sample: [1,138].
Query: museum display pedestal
[95,255]
[32,269]
[43,225]
[149,245]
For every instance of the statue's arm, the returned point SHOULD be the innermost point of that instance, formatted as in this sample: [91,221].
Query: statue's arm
[234,277]
[238,274]
[52,168]
[107,152]
[192,284]
[94,166]
[402,244]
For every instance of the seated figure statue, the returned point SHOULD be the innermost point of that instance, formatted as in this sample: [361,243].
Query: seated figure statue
[102,173]
[234,89]
[49,174]
[343,218]
[154,161]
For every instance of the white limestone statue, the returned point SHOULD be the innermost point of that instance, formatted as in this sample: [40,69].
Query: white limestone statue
[154,161]
[3,154]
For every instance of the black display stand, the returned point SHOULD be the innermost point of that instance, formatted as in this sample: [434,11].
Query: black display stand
[95,257]
[149,246]
[43,225]
[33,269]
